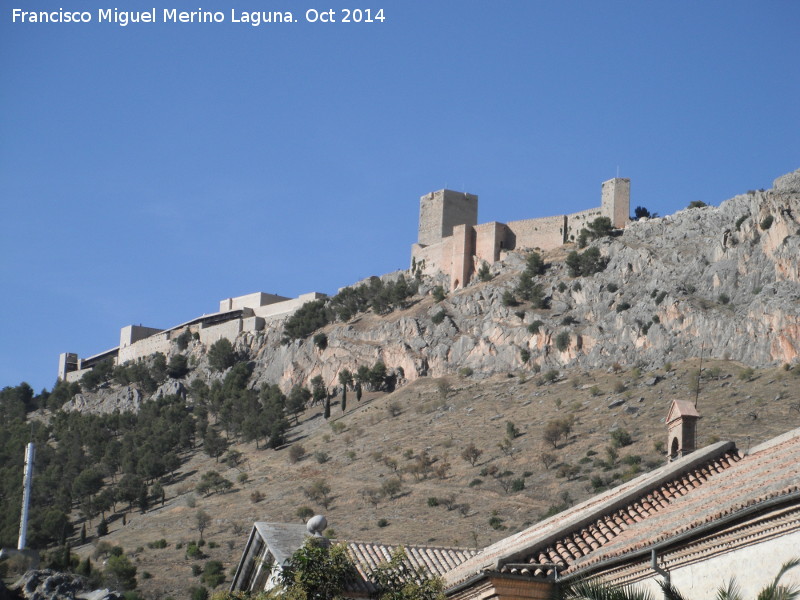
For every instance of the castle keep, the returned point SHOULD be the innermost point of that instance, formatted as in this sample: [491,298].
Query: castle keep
[450,240]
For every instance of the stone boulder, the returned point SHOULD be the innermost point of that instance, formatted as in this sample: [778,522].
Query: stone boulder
[47,584]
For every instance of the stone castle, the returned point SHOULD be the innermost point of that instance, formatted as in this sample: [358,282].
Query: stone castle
[252,312]
[451,242]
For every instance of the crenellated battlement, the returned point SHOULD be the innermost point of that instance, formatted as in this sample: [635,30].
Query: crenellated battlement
[450,241]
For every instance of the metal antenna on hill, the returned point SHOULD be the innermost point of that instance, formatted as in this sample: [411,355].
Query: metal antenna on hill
[699,375]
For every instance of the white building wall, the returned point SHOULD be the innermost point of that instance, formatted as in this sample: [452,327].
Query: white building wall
[754,567]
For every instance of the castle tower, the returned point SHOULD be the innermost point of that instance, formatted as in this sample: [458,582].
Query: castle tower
[440,211]
[681,429]
[616,201]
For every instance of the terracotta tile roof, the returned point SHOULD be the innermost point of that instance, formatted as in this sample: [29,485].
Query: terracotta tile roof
[768,474]
[592,525]
[681,408]
[702,488]
[435,561]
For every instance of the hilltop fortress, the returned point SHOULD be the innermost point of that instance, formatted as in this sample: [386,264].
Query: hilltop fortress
[451,242]
[252,312]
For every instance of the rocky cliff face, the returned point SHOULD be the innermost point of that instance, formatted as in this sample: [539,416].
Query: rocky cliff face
[722,281]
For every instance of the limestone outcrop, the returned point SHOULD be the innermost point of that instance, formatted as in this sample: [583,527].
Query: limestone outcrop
[47,584]
[722,281]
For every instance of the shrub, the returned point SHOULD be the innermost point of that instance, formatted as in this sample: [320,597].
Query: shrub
[438,293]
[612,287]
[183,340]
[433,501]
[747,374]
[320,341]
[766,222]
[511,430]
[620,438]
[483,273]
[321,456]
[524,355]
[196,569]
[509,299]
[178,366]
[476,481]
[304,513]
[562,341]
[739,222]
[587,263]
[296,452]
[158,544]
[465,372]
[697,204]
[622,306]
[256,496]
[221,355]
[569,320]
[550,376]
[383,523]
[562,287]
[198,593]
[194,551]
[517,485]
[496,522]
[471,454]
[438,317]
[723,298]
[213,573]
[535,326]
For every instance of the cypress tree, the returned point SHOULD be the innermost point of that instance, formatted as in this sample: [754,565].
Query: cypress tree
[344,399]
[327,408]
[358,392]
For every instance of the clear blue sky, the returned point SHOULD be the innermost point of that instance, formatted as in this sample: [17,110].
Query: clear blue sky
[148,171]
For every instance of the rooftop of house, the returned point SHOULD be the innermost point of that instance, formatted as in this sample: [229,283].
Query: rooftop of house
[709,487]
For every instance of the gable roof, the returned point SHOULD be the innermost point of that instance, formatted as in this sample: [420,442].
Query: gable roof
[702,490]
[434,561]
[284,539]
[681,408]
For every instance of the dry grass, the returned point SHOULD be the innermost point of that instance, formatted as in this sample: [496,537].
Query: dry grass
[373,447]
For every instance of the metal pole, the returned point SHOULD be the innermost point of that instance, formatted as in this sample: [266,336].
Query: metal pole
[30,455]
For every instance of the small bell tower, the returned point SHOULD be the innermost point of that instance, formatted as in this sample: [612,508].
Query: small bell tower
[681,429]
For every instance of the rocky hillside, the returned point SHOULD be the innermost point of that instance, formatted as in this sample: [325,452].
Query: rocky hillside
[722,281]
[460,453]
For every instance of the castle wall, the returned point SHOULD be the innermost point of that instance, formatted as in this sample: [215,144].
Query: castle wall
[131,334]
[490,239]
[250,301]
[159,342]
[286,306]
[213,333]
[76,375]
[437,257]
[462,251]
[580,220]
[545,233]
